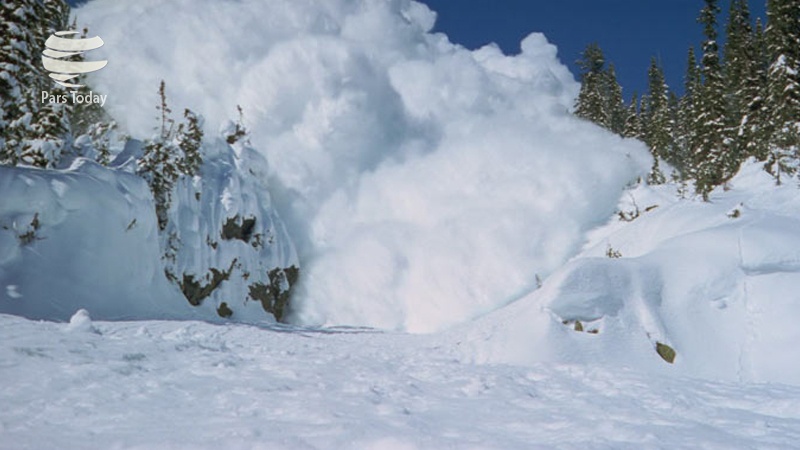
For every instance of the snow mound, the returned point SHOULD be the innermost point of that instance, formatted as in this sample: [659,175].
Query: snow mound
[715,282]
[423,184]
[81,321]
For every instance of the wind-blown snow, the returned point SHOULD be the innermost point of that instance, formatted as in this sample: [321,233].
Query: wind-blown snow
[423,184]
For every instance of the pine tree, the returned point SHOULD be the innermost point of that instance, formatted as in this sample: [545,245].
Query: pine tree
[783,85]
[591,102]
[614,103]
[740,85]
[632,126]
[687,129]
[657,126]
[656,120]
[31,132]
[172,153]
[190,139]
[754,127]
[17,43]
[708,160]
[160,162]
[675,156]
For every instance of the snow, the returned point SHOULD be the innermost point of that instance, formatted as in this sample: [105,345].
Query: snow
[81,321]
[717,287]
[405,167]
[160,385]
[420,187]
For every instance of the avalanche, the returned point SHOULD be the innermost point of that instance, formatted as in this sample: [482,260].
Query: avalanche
[419,187]
[422,183]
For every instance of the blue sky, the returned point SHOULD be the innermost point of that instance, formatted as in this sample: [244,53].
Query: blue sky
[630,32]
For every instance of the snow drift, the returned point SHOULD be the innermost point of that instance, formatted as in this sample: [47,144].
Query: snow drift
[424,184]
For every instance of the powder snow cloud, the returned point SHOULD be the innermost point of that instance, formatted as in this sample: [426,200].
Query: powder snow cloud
[424,184]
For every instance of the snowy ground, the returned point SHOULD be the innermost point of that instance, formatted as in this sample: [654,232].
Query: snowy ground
[427,187]
[196,385]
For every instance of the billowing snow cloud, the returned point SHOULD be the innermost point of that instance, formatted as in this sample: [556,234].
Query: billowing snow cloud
[424,184]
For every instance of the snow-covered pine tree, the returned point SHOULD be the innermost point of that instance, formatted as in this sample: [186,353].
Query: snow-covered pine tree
[31,132]
[17,43]
[190,139]
[675,155]
[591,102]
[160,161]
[172,153]
[614,103]
[686,130]
[753,128]
[708,161]
[657,121]
[632,125]
[783,86]
[741,85]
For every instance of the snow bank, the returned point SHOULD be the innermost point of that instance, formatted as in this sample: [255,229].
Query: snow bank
[423,184]
[716,282]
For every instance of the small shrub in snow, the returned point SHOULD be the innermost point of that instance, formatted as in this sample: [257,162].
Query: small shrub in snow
[612,253]
[239,131]
[736,212]
[30,234]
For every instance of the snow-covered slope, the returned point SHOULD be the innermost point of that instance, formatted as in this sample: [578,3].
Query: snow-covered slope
[176,385]
[423,184]
[716,282]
